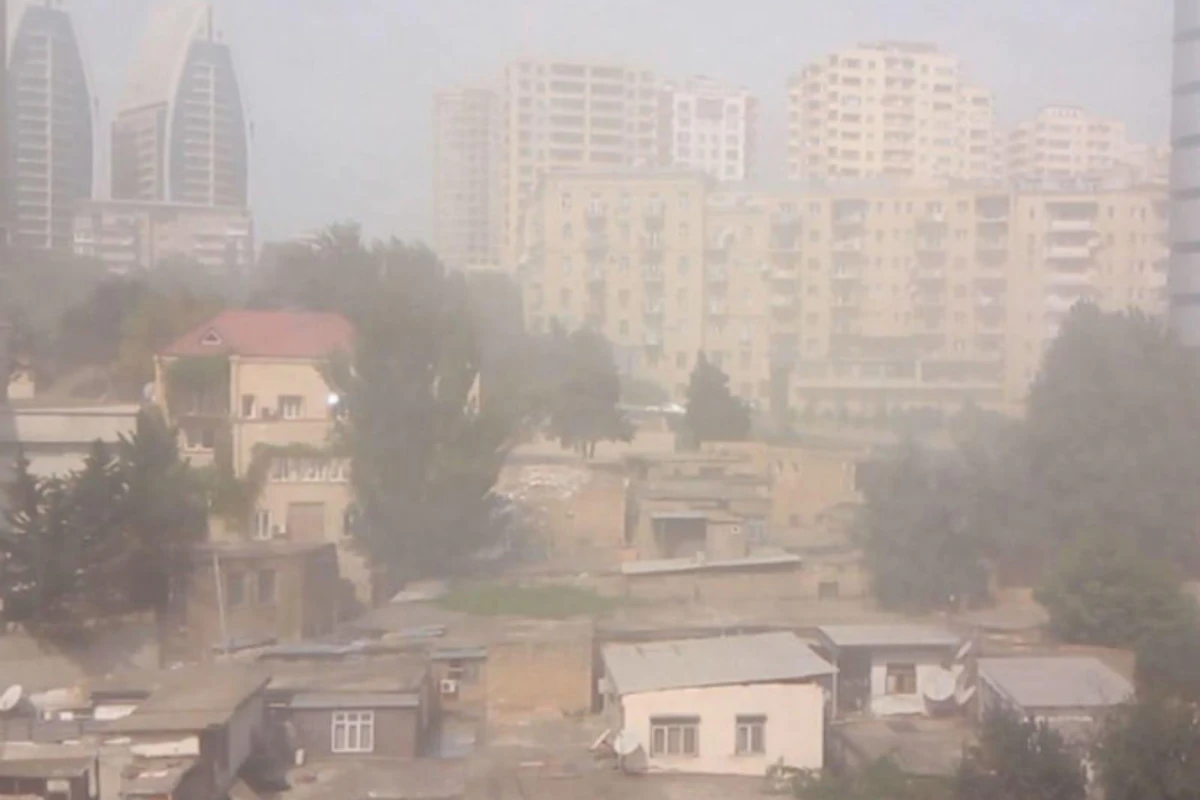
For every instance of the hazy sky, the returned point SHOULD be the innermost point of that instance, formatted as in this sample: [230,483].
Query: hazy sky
[340,91]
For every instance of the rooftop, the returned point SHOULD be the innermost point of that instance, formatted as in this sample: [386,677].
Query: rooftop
[668,566]
[45,767]
[266,334]
[190,706]
[899,635]
[761,658]
[385,674]
[1055,681]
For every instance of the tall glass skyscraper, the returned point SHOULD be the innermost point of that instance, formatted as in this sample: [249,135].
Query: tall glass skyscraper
[180,130]
[1185,175]
[49,116]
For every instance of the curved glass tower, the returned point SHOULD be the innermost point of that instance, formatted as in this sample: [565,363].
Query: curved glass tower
[1185,175]
[49,115]
[180,131]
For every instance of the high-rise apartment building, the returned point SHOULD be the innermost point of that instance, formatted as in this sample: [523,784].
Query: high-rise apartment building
[49,116]
[466,197]
[708,126]
[5,186]
[180,130]
[889,109]
[1185,175]
[867,298]
[569,115]
[1063,143]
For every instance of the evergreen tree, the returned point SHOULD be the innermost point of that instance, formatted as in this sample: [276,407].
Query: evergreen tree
[714,414]
[584,404]
[1019,759]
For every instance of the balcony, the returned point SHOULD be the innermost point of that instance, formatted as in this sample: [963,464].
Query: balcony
[1069,225]
[596,275]
[718,308]
[655,215]
[1070,280]
[929,275]
[654,308]
[1069,252]
[596,215]
[853,244]
[716,274]
[652,275]
[785,232]
[784,303]
[652,338]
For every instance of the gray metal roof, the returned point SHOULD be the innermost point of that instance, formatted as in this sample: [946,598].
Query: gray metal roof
[1055,681]
[762,658]
[355,700]
[674,565]
[884,635]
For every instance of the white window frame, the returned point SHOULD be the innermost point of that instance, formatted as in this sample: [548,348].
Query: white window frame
[356,730]
[675,737]
[262,523]
[291,406]
[751,739]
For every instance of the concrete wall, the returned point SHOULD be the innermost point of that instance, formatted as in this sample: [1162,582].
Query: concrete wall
[883,704]
[795,728]
[552,677]
[792,582]
[397,733]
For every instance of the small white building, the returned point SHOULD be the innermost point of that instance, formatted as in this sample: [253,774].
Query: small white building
[889,670]
[728,706]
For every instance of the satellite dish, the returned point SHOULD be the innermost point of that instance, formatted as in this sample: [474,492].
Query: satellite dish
[12,695]
[939,688]
[626,743]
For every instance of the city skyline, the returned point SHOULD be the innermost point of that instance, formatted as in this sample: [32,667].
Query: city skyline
[379,169]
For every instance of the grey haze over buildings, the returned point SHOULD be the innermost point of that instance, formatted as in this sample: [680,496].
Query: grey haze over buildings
[339,94]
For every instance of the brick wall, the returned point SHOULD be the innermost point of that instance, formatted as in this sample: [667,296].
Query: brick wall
[540,677]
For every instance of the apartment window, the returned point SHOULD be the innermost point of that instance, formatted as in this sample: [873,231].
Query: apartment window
[248,406]
[684,265]
[235,589]
[675,736]
[901,679]
[751,735]
[291,406]
[566,232]
[353,732]
[262,523]
[683,230]
[624,328]
[681,360]
[566,201]
[623,298]
[266,587]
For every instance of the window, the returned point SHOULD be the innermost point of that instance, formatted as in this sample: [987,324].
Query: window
[675,736]
[751,736]
[353,732]
[262,524]
[266,587]
[248,406]
[291,406]
[235,589]
[901,679]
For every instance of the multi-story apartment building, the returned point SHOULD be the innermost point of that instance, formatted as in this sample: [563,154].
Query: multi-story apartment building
[49,117]
[247,392]
[5,187]
[466,173]
[889,109]
[570,115]
[857,300]
[127,235]
[180,130]
[1185,175]
[1063,143]
[709,126]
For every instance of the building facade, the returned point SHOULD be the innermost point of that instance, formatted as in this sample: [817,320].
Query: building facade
[247,392]
[1063,143]
[5,187]
[50,119]
[710,127]
[180,130]
[127,235]
[889,109]
[866,299]
[466,198]
[1185,174]
[570,115]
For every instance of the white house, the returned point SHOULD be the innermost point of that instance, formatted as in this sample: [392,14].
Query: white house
[732,706]
[888,670]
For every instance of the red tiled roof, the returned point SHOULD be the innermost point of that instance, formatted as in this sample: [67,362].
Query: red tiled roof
[270,334]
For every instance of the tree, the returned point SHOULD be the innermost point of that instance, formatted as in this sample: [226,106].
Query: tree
[1113,436]
[424,454]
[1020,759]
[1168,662]
[584,401]
[39,565]
[163,511]
[1109,593]
[713,413]
[94,499]
[881,779]
[158,318]
[917,531]
[1147,751]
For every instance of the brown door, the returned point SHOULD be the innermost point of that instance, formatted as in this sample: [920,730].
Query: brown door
[306,522]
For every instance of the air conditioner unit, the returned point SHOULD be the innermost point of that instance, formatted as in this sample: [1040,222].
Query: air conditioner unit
[449,687]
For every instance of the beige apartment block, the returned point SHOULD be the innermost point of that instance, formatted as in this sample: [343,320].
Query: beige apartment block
[129,235]
[247,393]
[708,126]
[894,109]
[466,197]
[1065,142]
[864,300]
[570,115]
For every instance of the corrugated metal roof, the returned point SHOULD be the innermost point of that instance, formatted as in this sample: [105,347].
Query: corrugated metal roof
[672,565]
[45,767]
[902,635]
[763,658]
[1055,681]
[364,700]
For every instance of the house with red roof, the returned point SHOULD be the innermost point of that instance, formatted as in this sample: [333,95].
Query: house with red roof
[248,392]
